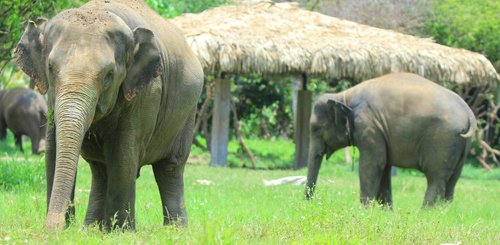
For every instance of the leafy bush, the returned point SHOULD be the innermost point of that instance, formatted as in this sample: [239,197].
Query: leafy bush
[15,14]
[469,24]
[172,8]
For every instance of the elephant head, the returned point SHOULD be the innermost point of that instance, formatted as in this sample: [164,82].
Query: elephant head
[86,61]
[331,129]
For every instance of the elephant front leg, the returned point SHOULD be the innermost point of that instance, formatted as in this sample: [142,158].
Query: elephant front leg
[372,163]
[120,198]
[19,141]
[97,199]
[169,177]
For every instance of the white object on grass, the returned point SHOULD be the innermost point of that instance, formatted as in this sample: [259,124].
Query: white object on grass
[295,180]
[204,182]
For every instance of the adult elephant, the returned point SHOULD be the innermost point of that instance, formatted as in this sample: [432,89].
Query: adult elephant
[123,86]
[401,120]
[24,112]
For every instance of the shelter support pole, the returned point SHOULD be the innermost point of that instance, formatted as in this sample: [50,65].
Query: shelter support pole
[297,84]
[304,103]
[394,171]
[220,123]
[498,94]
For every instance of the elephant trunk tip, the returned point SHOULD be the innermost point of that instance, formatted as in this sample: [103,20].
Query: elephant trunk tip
[55,221]
[41,146]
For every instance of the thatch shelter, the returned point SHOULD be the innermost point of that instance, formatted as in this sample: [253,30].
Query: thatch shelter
[283,39]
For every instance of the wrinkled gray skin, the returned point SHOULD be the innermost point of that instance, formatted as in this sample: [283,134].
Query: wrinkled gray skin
[123,85]
[24,112]
[401,120]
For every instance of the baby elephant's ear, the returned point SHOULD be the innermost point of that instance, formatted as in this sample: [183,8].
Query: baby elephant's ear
[146,63]
[29,54]
[339,111]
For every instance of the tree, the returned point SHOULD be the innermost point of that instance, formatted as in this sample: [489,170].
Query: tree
[14,15]
[468,24]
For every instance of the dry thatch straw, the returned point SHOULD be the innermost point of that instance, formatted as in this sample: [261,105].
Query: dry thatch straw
[281,38]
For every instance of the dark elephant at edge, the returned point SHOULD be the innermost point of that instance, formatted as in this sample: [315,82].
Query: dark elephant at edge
[400,119]
[123,85]
[24,112]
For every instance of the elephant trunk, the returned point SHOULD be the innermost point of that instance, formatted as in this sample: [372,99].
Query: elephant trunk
[316,153]
[73,114]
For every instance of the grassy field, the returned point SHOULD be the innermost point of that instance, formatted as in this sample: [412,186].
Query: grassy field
[238,209]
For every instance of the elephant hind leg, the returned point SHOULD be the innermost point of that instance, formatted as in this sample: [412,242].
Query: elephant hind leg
[440,165]
[3,128]
[435,190]
[35,143]
[450,185]
[384,195]
[97,199]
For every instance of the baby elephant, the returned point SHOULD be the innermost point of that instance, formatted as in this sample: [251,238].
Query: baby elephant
[401,120]
[24,111]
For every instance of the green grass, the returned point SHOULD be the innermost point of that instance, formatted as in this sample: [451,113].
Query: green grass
[238,209]
[270,154]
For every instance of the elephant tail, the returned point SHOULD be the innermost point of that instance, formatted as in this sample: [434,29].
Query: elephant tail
[472,127]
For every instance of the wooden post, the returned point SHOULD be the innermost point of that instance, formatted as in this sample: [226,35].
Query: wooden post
[304,102]
[498,94]
[297,85]
[394,171]
[220,123]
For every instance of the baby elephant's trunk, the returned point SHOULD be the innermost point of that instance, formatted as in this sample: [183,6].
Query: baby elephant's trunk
[41,146]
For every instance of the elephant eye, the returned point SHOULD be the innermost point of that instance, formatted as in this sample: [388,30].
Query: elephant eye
[108,78]
[52,73]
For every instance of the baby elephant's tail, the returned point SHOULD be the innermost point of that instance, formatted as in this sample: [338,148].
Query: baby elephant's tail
[472,127]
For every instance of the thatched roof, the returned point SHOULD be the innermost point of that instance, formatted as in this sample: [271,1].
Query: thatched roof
[281,38]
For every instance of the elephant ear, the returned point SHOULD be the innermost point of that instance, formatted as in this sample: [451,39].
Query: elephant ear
[146,63]
[29,54]
[342,114]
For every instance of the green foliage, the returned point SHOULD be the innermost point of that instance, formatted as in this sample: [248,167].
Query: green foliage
[172,8]
[15,15]
[264,106]
[270,154]
[50,118]
[469,24]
